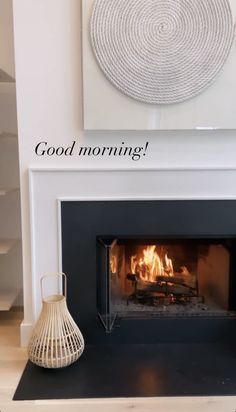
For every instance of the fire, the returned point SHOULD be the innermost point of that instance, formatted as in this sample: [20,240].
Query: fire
[150,265]
[113,264]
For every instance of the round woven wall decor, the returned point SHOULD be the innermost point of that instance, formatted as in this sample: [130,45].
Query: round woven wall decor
[161,51]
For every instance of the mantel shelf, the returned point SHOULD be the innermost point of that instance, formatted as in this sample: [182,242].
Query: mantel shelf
[6,245]
[5,77]
[7,298]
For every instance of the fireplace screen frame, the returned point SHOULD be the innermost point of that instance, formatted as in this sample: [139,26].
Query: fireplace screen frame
[174,289]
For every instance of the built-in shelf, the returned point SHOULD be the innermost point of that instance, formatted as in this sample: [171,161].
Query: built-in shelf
[5,77]
[8,192]
[7,299]
[5,135]
[4,191]
[6,245]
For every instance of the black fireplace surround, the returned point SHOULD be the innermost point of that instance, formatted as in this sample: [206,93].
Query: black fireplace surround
[85,222]
[143,355]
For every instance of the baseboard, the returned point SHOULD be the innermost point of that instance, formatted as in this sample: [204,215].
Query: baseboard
[25,333]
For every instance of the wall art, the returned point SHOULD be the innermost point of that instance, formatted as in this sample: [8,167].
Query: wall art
[158,64]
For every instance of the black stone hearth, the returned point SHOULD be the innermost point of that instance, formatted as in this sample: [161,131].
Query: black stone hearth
[114,371]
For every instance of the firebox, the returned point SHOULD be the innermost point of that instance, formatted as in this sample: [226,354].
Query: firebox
[151,271]
[163,277]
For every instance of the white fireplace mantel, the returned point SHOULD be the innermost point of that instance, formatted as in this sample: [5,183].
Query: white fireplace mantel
[49,186]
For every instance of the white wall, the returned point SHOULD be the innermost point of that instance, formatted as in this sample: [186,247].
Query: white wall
[49,89]
[49,95]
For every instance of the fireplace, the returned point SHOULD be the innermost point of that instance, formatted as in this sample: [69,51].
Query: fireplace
[143,335]
[151,265]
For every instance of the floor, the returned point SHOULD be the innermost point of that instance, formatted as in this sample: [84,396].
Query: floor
[12,362]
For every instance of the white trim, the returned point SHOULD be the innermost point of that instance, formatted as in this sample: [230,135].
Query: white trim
[59,228]
[32,241]
[123,198]
[134,169]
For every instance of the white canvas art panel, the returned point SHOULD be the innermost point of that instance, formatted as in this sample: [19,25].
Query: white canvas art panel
[108,108]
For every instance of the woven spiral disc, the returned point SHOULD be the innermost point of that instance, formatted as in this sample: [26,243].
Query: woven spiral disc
[161,51]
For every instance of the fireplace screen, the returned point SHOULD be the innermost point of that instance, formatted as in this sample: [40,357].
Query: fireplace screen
[154,277]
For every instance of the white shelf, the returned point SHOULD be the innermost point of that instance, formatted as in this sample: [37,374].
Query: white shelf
[6,245]
[5,77]
[4,191]
[5,135]
[7,298]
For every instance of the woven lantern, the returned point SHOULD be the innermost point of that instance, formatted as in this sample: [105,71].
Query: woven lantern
[56,341]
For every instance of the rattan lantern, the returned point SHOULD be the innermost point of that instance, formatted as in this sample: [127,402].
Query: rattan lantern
[56,341]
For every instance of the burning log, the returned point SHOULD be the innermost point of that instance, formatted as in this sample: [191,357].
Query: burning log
[186,281]
[180,279]
[166,286]
[162,287]
[132,277]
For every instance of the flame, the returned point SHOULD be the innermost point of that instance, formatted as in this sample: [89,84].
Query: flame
[133,263]
[113,264]
[169,266]
[150,265]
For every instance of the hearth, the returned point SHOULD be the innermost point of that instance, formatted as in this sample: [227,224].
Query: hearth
[166,268]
